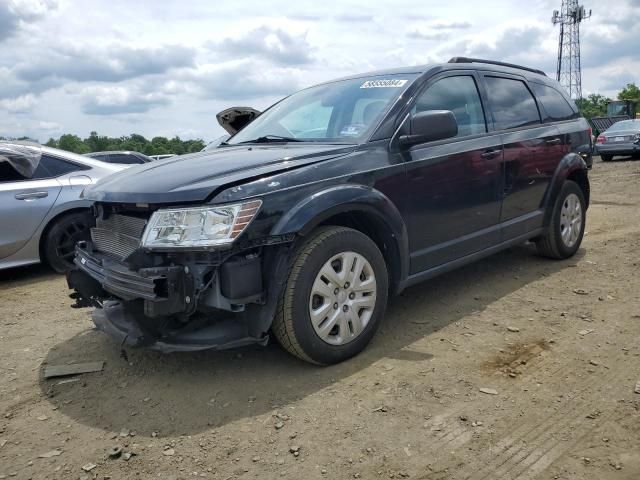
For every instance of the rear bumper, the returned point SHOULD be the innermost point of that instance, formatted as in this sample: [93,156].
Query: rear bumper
[622,148]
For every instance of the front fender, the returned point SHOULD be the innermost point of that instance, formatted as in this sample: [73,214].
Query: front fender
[569,165]
[321,206]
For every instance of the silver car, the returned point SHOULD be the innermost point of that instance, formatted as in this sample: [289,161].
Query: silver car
[41,212]
[621,138]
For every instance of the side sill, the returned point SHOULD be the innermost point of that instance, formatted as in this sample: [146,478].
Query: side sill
[452,265]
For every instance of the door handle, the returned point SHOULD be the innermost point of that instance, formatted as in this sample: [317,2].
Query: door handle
[555,141]
[31,195]
[491,153]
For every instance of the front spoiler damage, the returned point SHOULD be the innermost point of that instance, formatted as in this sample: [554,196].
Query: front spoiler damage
[147,307]
[122,325]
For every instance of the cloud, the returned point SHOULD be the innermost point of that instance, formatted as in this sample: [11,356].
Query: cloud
[443,24]
[113,64]
[21,104]
[244,79]
[120,99]
[353,17]
[426,34]
[435,29]
[265,42]
[14,13]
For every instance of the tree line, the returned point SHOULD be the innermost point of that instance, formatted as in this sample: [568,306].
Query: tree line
[595,105]
[135,142]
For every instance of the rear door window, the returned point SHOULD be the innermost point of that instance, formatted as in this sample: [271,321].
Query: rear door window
[555,105]
[512,103]
[124,159]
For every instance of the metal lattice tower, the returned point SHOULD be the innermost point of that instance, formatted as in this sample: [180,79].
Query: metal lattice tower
[569,71]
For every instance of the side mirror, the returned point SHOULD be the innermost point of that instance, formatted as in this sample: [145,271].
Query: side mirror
[429,126]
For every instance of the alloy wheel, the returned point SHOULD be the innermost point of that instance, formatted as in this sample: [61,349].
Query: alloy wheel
[343,298]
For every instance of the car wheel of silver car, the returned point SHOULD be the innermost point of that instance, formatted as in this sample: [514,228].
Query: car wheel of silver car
[606,158]
[61,238]
[567,223]
[334,298]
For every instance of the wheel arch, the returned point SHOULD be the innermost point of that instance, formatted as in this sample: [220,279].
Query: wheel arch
[362,208]
[571,167]
[49,225]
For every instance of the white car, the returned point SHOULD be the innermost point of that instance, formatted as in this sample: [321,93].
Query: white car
[41,210]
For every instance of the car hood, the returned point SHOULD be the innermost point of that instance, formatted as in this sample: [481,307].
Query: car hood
[196,177]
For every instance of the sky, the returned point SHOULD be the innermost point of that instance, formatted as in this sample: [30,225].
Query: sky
[165,68]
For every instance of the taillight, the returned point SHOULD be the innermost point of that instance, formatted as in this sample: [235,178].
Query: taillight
[601,139]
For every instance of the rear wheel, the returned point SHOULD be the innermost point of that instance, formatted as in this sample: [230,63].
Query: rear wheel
[334,298]
[606,158]
[567,224]
[61,238]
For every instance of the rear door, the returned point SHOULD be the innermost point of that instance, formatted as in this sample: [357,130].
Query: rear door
[455,184]
[532,150]
[23,204]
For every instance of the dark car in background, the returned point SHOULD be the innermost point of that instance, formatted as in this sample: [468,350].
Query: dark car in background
[308,218]
[622,139]
[121,157]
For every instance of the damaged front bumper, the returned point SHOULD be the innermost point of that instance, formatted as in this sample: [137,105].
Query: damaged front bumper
[176,307]
[129,329]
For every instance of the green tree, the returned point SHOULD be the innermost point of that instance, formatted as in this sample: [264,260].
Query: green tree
[96,143]
[595,105]
[134,142]
[630,92]
[73,143]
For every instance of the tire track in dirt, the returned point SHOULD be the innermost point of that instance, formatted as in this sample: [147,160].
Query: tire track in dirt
[533,445]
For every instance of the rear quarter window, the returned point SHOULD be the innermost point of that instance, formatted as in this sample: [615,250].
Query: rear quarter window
[48,167]
[555,105]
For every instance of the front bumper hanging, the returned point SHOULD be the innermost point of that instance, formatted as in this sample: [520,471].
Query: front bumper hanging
[156,307]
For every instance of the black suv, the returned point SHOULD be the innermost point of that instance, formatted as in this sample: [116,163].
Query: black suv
[312,214]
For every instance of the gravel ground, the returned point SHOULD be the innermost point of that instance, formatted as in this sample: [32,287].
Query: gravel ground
[514,367]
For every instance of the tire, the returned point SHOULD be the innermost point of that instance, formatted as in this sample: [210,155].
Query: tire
[61,238]
[568,210]
[334,338]
[606,158]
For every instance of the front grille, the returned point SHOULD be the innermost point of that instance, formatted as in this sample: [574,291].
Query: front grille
[118,235]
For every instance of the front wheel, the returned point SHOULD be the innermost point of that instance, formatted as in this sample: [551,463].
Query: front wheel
[61,238]
[567,224]
[606,158]
[335,297]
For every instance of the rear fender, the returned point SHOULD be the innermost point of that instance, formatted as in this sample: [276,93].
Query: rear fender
[568,166]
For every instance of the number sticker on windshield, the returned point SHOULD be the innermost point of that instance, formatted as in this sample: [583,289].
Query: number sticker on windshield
[383,84]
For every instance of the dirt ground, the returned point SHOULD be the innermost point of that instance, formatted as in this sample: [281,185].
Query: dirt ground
[555,343]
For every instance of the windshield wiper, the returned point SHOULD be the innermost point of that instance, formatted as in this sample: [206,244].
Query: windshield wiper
[272,138]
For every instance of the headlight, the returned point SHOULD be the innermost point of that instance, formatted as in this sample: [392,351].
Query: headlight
[200,226]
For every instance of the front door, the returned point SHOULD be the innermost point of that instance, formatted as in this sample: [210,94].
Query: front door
[23,205]
[455,185]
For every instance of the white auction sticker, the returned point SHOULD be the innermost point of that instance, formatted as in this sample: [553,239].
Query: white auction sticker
[383,84]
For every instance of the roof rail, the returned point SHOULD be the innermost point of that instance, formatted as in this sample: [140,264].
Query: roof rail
[493,62]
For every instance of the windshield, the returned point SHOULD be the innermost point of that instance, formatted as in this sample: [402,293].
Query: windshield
[341,112]
[624,125]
